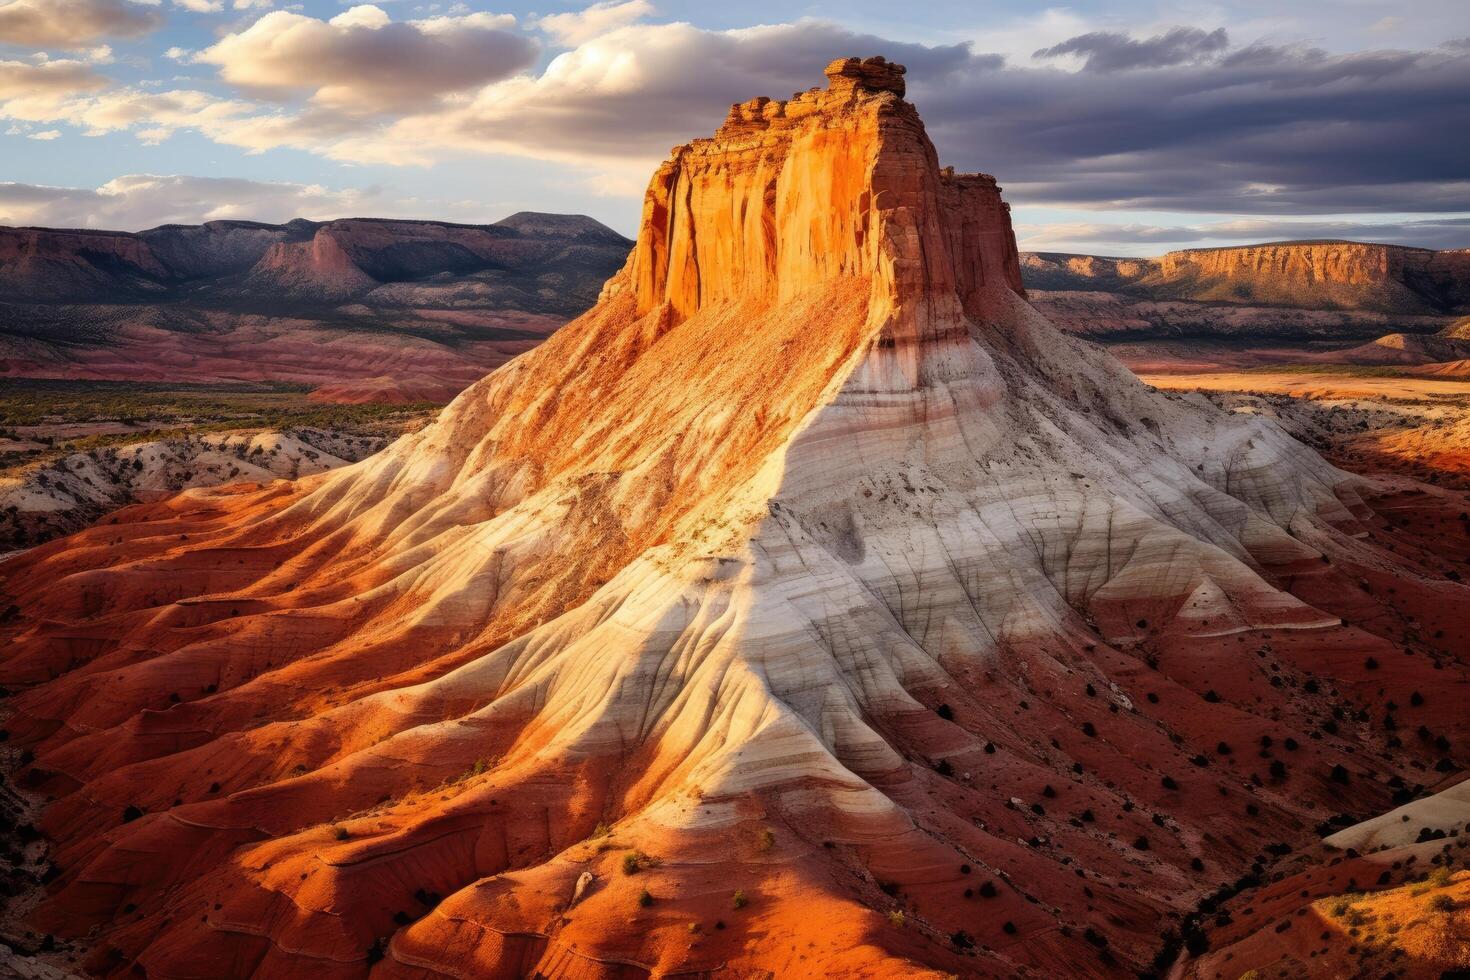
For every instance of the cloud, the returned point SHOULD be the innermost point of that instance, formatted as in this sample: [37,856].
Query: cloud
[361,61]
[201,6]
[579,27]
[160,113]
[1113,51]
[632,93]
[141,201]
[72,24]
[49,79]
[1265,129]
[1260,129]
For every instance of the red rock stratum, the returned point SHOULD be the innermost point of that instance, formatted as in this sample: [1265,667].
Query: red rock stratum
[809,607]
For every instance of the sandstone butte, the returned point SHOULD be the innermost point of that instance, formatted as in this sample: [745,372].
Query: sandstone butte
[809,607]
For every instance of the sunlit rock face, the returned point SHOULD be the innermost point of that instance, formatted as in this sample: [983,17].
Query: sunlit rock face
[1399,280]
[810,578]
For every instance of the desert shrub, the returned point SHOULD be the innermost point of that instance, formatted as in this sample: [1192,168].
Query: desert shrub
[738,899]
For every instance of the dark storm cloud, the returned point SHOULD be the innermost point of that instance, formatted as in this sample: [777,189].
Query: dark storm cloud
[1114,51]
[1178,121]
[1261,129]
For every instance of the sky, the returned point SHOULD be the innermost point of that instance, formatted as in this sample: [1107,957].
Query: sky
[1127,127]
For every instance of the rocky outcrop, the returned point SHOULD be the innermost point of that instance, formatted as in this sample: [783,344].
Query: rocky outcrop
[1333,275]
[776,202]
[811,591]
[64,496]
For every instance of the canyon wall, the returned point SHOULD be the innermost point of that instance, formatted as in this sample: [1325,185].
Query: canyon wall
[1326,275]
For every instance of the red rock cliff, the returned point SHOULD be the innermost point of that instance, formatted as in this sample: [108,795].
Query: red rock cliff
[1330,274]
[834,182]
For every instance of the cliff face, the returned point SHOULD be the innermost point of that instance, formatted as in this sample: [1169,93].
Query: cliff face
[810,606]
[1314,274]
[833,182]
[1310,275]
[46,264]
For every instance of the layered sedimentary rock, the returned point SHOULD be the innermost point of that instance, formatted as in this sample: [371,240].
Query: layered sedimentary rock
[1323,275]
[430,306]
[810,606]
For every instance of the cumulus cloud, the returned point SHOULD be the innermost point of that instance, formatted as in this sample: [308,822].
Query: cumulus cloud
[579,27]
[361,60]
[72,24]
[634,92]
[1115,51]
[140,201]
[1254,129]
[201,6]
[23,79]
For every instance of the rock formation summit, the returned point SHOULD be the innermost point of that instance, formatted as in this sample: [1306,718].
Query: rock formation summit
[809,607]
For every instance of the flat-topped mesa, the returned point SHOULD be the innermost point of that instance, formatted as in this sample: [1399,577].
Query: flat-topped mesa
[835,182]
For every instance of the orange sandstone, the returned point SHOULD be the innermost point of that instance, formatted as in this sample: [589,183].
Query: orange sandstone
[808,607]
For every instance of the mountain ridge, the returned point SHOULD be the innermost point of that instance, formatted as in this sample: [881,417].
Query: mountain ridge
[1310,273]
[156,262]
